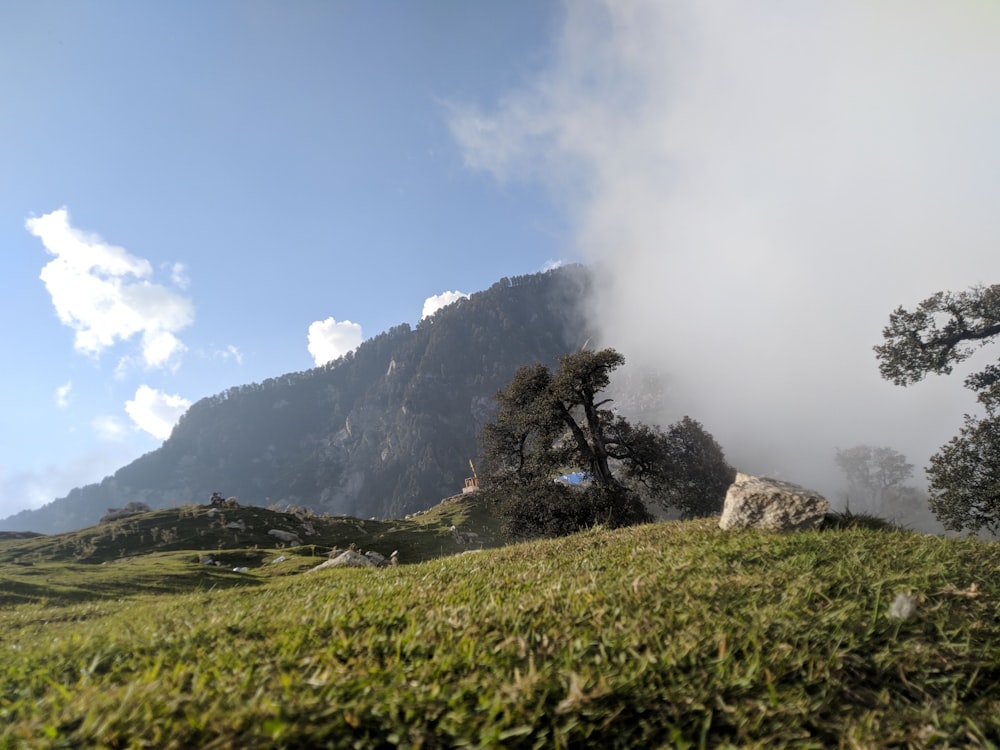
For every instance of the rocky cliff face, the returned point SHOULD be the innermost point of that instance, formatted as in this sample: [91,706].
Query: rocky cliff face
[384,431]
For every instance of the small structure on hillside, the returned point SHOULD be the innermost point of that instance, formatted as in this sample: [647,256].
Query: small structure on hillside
[471,483]
[218,501]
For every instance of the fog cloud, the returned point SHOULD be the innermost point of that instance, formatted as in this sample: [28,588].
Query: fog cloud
[103,293]
[759,185]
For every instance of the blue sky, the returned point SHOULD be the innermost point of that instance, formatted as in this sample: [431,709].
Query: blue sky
[255,168]
[246,183]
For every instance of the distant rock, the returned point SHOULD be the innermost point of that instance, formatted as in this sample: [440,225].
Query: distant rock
[375,557]
[346,559]
[285,536]
[464,537]
[762,503]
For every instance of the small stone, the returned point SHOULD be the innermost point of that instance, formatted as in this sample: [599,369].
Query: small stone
[903,607]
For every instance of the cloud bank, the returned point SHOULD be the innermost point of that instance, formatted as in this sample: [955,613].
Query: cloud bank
[330,339]
[104,294]
[759,185]
[155,412]
[436,301]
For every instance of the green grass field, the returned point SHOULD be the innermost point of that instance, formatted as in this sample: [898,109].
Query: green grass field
[673,634]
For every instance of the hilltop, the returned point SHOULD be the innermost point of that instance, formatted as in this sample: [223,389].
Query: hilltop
[200,546]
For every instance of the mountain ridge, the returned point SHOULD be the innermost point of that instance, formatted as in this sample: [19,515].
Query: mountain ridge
[383,431]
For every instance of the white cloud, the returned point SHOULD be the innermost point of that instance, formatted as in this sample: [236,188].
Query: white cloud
[62,394]
[551,265]
[156,412]
[329,339]
[435,302]
[179,275]
[103,293]
[762,184]
[229,352]
[109,428]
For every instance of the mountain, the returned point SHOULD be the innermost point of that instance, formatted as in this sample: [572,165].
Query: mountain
[384,431]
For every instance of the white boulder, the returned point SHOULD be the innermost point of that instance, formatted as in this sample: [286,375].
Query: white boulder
[347,559]
[762,503]
[285,536]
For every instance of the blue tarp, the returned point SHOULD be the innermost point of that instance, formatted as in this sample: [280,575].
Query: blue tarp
[574,479]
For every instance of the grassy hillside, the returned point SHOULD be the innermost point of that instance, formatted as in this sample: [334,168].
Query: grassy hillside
[165,551]
[672,634]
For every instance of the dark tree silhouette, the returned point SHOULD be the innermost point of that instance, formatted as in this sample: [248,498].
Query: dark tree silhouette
[548,424]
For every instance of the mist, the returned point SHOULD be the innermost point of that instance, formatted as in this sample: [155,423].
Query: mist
[760,185]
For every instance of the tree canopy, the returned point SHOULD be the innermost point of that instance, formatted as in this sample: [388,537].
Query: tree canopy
[550,424]
[942,331]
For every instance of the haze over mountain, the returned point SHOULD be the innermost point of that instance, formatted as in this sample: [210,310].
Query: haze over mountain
[383,431]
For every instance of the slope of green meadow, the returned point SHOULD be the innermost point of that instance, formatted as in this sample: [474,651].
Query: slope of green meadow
[674,634]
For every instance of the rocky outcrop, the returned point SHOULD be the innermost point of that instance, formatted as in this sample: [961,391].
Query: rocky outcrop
[346,559]
[762,503]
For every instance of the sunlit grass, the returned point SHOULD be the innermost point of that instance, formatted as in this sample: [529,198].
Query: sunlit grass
[676,633]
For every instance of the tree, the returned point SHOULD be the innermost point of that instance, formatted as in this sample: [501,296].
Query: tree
[964,476]
[875,476]
[694,474]
[548,424]
[942,331]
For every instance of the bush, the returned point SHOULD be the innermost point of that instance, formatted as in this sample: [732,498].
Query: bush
[849,520]
[132,509]
[551,509]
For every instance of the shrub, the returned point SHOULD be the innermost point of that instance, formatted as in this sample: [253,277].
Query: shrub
[554,509]
[849,520]
[132,509]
